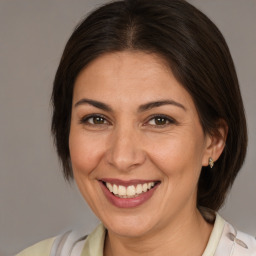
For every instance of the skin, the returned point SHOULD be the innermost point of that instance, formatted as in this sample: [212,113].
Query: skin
[130,143]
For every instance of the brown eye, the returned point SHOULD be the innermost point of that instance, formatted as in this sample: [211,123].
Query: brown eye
[97,120]
[94,120]
[160,121]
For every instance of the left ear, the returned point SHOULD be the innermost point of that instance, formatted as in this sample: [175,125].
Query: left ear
[215,143]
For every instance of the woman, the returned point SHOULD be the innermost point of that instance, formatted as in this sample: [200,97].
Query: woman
[148,119]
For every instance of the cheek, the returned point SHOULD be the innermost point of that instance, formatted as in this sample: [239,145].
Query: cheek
[178,155]
[85,152]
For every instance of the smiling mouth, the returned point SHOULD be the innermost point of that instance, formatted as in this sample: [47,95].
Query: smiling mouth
[130,191]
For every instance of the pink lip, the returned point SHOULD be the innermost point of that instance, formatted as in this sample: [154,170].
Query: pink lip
[127,202]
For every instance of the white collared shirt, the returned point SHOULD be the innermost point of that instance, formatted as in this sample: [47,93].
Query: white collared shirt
[224,240]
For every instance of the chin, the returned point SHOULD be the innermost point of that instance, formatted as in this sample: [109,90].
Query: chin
[129,226]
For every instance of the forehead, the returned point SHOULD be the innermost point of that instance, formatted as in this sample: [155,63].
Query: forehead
[133,76]
[126,62]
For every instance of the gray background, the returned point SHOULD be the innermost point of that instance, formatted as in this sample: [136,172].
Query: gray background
[35,201]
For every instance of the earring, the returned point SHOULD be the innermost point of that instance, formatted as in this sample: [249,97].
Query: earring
[211,162]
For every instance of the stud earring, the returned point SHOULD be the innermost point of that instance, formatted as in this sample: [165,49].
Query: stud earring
[211,162]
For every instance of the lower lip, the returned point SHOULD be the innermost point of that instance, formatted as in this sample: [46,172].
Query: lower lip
[128,202]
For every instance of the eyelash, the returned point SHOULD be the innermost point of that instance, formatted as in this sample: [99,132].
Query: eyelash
[85,119]
[168,120]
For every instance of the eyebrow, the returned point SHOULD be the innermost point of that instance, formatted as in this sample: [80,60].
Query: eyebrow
[155,104]
[94,103]
[141,108]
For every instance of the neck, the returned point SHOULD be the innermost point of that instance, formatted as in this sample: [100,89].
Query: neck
[186,236]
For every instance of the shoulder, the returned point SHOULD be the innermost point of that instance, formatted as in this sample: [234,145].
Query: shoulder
[225,239]
[236,242]
[69,243]
[42,248]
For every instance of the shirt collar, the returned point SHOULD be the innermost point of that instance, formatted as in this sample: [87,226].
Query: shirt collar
[94,244]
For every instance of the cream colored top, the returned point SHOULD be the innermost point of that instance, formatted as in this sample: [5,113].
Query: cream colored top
[224,241]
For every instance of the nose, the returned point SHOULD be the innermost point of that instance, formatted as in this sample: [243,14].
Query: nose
[125,149]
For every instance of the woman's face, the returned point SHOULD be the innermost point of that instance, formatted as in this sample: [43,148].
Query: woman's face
[135,130]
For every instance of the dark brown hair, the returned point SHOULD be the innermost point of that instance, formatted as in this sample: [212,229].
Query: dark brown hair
[195,51]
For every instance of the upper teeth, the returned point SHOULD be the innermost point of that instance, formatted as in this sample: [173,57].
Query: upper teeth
[129,191]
